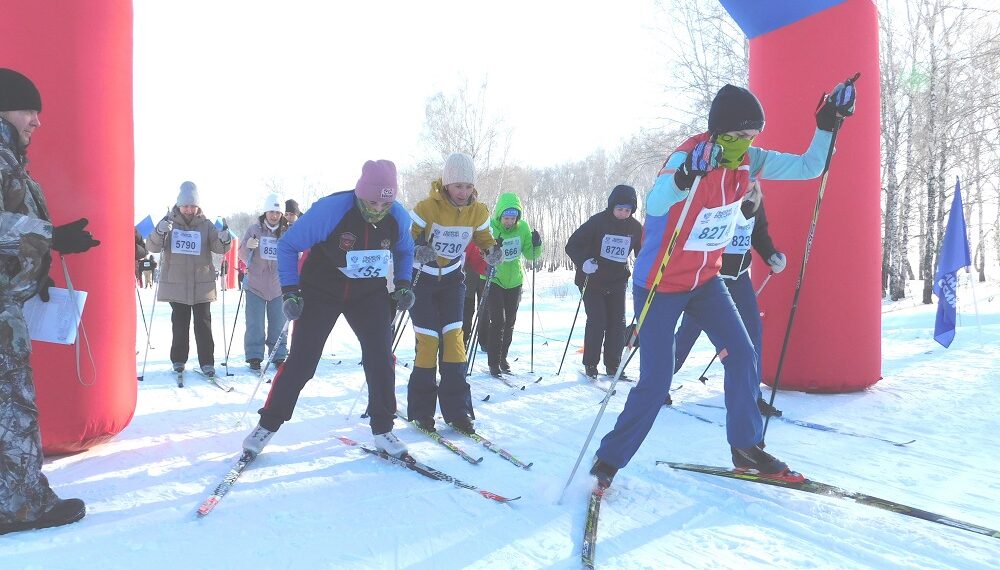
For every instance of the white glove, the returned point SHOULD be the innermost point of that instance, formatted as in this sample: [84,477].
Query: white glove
[164,226]
[252,243]
[777,262]
[590,266]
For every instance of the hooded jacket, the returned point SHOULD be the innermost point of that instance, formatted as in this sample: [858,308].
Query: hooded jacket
[437,213]
[261,273]
[600,232]
[516,243]
[188,279]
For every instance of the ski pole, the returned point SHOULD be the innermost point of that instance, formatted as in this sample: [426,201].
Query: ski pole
[142,311]
[642,317]
[471,357]
[222,277]
[401,323]
[583,292]
[533,264]
[232,335]
[704,378]
[263,370]
[152,311]
[243,286]
[361,390]
[838,122]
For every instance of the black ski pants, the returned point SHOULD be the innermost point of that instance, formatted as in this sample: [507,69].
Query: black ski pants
[370,318]
[605,308]
[503,313]
[180,318]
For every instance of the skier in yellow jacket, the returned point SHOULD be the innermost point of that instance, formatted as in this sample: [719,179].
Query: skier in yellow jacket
[443,225]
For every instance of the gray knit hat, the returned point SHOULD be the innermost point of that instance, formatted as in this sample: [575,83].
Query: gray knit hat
[188,195]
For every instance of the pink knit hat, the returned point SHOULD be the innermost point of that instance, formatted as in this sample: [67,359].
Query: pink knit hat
[377,182]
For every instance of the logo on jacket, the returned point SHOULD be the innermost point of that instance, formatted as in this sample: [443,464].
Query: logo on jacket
[347,240]
[386,243]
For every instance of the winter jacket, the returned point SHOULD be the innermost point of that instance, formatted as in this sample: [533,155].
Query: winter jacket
[688,268]
[516,242]
[333,230]
[734,264]
[600,238]
[188,279]
[454,227]
[140,246]
[262,262]
[25,230]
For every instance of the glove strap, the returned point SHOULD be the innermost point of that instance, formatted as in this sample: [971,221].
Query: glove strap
[82,329]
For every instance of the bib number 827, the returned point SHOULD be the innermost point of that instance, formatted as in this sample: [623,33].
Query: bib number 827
[712,232]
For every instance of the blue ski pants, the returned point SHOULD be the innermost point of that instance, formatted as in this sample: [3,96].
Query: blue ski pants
[741,290]
[713,307]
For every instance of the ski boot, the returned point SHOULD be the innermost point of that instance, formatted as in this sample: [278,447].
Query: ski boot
[390,444]
[755,459]
[605,473]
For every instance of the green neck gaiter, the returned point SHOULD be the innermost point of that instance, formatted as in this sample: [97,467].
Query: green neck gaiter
[733,149]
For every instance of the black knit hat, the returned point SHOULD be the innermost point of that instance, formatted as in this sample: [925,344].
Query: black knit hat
[735,109]
[292,207]
[18,93]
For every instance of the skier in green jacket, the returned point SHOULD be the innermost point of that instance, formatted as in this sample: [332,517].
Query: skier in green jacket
[504,294]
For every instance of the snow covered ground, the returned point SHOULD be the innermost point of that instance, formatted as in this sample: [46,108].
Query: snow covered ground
[311,502]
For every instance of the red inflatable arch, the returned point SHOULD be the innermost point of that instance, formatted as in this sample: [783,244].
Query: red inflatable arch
[79,54]
[798,50]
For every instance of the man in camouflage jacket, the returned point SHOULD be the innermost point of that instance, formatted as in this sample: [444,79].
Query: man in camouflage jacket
[26,237]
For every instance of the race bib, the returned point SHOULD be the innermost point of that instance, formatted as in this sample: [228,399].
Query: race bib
[186,242]
[616,248]
[367,263]
[740,244]
[511,248]
[713,228]
[269,248]
[449,241]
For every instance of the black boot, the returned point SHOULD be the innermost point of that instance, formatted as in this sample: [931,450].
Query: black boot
[591,371]
[65,511]
[767,410]
[426,424]
[254,364]
[463,424]
[605,473]
[504,365]
[495,370]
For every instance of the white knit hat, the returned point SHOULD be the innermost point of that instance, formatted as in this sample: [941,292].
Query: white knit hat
[273,203]
[458,168]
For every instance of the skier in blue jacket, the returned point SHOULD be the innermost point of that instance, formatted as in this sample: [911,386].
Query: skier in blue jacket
[353,238]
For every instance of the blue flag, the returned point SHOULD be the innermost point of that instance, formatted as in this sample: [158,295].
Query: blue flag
[145,227]
[954,256]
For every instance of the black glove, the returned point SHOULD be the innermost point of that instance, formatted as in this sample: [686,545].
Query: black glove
[43,288]
[404,299]
[536,240]
[72,238]
[292,303]
[702,159]
[836,105]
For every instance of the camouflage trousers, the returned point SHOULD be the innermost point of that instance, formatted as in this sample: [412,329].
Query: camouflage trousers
[24,492]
